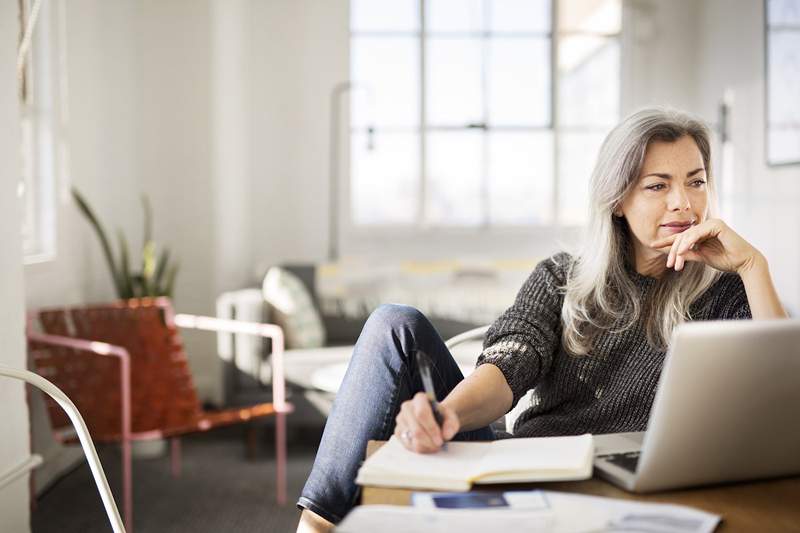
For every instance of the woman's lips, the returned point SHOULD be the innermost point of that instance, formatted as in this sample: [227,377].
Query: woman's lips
[672,228]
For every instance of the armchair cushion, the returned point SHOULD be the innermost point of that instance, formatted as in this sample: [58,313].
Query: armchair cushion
[291,307]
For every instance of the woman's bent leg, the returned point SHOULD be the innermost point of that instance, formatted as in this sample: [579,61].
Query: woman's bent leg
[382,375]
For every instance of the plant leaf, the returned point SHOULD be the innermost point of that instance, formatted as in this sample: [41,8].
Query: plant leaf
[128,284]
[136,282]
[88,213]
[161,269]
[148,269]
[148,219]
[171,273]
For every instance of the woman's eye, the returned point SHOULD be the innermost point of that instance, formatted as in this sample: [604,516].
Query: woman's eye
[699,183]
[656,187]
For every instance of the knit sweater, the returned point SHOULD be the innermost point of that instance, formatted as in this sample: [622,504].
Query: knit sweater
[609,390]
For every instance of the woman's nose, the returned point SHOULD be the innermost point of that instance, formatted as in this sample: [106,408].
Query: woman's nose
[679,200]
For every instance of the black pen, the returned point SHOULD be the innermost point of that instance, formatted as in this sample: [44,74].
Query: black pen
[424,364]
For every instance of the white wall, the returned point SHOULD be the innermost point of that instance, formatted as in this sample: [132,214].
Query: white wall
[14,446]
[103,161]
[146,82]
[174,110]
[300,52]
[765,199]
[659,50]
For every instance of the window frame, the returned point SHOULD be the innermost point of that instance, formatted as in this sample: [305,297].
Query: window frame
[361,237]
[42,119]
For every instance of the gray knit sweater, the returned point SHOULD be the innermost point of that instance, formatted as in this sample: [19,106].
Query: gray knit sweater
[611,389]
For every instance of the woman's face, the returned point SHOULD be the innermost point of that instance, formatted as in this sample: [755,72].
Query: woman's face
[669,196]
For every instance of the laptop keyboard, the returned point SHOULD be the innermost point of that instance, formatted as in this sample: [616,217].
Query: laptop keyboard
[628,461]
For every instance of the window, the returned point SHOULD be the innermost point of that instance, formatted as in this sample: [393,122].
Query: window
[783,82]
[475,113]
[40,125]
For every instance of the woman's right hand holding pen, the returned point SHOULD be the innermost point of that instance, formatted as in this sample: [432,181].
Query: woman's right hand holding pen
[416,426]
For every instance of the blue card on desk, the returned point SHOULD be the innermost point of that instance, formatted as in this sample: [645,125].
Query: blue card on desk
[532,500]
[469,500]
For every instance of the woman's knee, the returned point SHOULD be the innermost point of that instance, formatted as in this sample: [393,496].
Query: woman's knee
[393,316]
[395,329]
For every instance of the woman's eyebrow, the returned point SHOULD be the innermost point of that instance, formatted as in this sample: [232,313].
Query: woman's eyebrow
[669,176]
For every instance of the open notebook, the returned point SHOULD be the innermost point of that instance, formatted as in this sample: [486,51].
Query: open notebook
[461,464]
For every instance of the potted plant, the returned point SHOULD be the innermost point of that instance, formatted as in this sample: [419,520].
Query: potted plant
[156,276]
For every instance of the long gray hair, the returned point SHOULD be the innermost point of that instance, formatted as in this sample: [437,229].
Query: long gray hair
[599,295]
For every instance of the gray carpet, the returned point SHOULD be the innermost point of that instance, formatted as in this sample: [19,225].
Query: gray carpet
[220,490]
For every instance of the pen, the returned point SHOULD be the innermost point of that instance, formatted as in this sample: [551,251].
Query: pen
[424,363]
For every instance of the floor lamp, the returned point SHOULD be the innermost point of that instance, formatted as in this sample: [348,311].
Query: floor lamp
[333,171]
[83,434]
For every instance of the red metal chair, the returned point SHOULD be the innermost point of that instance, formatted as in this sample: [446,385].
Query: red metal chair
[125,368]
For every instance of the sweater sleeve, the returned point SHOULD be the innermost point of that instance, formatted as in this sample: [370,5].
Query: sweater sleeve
[732,299]
[523,341]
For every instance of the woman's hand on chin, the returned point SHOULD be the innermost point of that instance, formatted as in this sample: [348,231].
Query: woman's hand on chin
[711,242]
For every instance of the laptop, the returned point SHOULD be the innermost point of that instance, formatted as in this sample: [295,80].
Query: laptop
[727,409]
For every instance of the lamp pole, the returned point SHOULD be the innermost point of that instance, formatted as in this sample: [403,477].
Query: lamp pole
[333,171]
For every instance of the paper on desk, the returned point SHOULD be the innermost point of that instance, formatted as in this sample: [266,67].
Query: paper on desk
[392,518]
[565,513]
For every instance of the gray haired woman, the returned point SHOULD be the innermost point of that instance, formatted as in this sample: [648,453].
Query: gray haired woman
[588,332]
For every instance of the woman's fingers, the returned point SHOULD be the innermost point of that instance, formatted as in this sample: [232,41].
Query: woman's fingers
[674,248]
[711,242]
[416,427]
[424,415]
[682,245]
[410,434]
[664,242]
[450,424]
[688,241]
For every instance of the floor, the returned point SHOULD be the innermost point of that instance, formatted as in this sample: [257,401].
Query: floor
[219,488]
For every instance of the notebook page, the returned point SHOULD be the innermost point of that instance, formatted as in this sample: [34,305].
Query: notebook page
[538,454]
[459,460]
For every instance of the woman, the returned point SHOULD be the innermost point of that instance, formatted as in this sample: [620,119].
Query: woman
[588,331]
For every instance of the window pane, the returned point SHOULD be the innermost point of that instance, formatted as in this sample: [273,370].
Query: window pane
[783,80]
[519,81]
[577,156]
[387,68]
[384,180]
[384,15]
[453,88]
[453,16]
[519,15]
[520,177]
[30,240]
[454,170]
[590,78]
[604,16]
[782,12]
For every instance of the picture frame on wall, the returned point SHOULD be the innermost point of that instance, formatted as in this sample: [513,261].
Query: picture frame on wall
[782,92]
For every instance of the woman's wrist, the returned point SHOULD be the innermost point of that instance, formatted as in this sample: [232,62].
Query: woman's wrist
[755,264]
[761,294]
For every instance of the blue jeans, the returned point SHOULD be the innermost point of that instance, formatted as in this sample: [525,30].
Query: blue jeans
[382,375]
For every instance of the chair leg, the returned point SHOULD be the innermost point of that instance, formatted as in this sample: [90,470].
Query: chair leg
[280,452]
[251,440]
[175,456]
[127,485]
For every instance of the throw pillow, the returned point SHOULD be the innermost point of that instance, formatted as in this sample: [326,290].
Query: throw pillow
[291,308]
